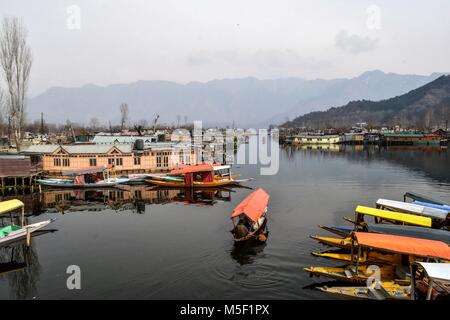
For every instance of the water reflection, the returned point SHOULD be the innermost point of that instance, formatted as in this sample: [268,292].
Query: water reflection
[247,252]
[19,266]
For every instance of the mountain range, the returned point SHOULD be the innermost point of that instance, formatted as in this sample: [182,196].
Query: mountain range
[245,102]
[425,107]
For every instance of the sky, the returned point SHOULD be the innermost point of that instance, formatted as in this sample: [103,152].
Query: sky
[119,41]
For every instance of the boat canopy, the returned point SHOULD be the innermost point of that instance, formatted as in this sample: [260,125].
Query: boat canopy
[193,169]
[420,197]
[413,208]
[10,205]
[404,245]
[433,205]
[218,167]
[254,206]
[397,216]
[436,271]
[410,231]
[86,170]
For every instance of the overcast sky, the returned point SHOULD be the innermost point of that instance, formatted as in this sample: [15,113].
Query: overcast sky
[115,41]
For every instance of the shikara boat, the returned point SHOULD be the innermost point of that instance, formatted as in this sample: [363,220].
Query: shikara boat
[343,243]
[367,257]
[252,214]
[12,233]
[420,197]
[385,216]
[90,177]
[385,291]
[430,281]
[199,176]
[438,216]
[363,243]
[433,205]
[407,231]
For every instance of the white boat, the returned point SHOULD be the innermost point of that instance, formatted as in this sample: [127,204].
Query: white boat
[412,208]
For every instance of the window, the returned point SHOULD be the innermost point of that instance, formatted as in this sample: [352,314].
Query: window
[158,162]
[111,161]
[66,162]
[119,161]
[137,161]
[93,162]
[181,156]
[166,161]
[57,162]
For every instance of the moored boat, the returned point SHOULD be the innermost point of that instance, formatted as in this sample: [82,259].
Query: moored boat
[430,281]
[385,291]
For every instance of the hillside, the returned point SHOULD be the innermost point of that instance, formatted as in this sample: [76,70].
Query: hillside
[246,102]
[423,107]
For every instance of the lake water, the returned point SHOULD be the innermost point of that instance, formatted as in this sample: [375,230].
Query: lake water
[175,244]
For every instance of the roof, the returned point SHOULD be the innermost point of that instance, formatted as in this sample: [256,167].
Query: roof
[404,135]
[111,139]
[86,170]
[41,148]
[93,148]
[397,216]
[10,205]
[436,271]
[413,208]
[191,169]
[404,245]
[254,206]
[421,197]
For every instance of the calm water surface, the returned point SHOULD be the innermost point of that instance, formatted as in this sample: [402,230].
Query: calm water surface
[174,244]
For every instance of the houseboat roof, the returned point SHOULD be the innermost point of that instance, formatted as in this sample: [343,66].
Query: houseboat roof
[192,169]
[404,245]
[404,135]
[78,149]
[254,206]
[118,139]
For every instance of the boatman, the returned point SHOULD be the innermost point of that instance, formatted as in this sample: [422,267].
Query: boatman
[241,230]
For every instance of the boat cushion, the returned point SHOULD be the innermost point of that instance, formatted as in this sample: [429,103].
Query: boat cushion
[4,231]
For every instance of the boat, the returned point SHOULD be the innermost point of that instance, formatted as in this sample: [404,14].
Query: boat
[430,281]
[364,242]
[420,197]
[366,257]
[433,205]
[345,243]
[12,233]
[385,291]
[198,176]
[252,210]
[90,177]
[408,231]
[412,208]
[385,216]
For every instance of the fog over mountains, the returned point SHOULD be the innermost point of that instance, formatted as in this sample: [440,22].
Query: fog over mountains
[248,102]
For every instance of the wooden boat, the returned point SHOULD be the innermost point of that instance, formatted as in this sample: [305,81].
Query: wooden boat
[345,243]
[199,176]
[407,231]
[420,197]
[90,177]
[430,281]
[433,205]
[367,257]
[12,233]
[252,211]
[386,291]
[412,208]
[384,216]
[413,248]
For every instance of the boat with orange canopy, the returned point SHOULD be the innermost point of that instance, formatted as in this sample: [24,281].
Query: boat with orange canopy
[252,213]
[408,249]
[196,176]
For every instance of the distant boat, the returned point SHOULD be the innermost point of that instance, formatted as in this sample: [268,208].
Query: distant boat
[12,233]
[90,177]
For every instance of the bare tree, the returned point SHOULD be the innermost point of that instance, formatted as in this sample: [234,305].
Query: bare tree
[123,115]
[94,123]
[178,120]
[16,61]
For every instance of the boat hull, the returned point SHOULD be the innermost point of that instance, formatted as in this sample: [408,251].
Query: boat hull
[255,235]
[22,233]
[174,184]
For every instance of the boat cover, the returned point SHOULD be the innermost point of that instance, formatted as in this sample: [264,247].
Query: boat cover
[420,197]
[397,216]
[254,206]
[193,169]
[413,208]
[10,205]
[433,205]
[404,245]
[436,271]
[411,231]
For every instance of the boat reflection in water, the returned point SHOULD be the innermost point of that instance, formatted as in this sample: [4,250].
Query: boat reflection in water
[19,266]
[130,198]
[247,252]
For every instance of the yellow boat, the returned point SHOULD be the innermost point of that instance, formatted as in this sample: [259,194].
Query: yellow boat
[385,291]
[367,257]
[381,216]
[343,243]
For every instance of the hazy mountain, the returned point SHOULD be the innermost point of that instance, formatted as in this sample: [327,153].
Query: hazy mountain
[247,101]
[426,106]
